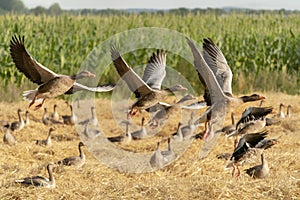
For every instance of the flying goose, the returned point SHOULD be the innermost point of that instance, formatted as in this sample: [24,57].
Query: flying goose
[166,110]
[47,142]
[147,89]
[8,138]
[77,161]
[50,84]
[55,114]
[124,139]
[70,119]
[216,77]
[259,171]
[249,147]
[18,125]
[40,181]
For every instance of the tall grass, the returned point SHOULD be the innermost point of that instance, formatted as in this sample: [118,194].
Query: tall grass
[262,49]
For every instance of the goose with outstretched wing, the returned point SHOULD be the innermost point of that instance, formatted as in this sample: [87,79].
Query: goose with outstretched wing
[50,84]
[221,101]
[147,89]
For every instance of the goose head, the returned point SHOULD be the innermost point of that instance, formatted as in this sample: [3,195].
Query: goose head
[253,97]
[83,74]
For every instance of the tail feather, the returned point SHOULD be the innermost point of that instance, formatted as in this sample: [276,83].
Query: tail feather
[30,94]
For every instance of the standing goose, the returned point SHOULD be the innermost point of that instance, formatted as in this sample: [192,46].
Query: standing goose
[147,89]
[90,133]
[70,119]
[93,120]
[8,138]
[157,160]
[76,161]
[50,84]
[27,121]
[178,137]
[216,77]
[40,181]
[47,142]
[55,114]
[18,125]
[48,121]
[249,146]
[281,113]
[141,133]
[259,171]
[230,128]
[169,154]
[289,111]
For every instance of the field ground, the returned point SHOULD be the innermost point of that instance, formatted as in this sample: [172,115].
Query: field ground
[186,178]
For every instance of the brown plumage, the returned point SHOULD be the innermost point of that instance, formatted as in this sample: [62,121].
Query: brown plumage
[50,84]
[18,125]
[76,161]
[47,142]
[40,181]
[259,171]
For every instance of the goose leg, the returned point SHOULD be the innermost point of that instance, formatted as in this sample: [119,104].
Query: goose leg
[239,172]
[205,131]
[40,105]
[33,100]
[232,173]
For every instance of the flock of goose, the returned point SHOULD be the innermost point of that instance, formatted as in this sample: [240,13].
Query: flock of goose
[215,75]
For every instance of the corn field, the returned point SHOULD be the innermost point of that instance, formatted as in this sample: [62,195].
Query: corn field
[262,50]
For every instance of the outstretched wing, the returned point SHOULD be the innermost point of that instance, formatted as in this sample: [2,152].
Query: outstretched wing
[33,70]
[134,82]
[78,87]
[155,70]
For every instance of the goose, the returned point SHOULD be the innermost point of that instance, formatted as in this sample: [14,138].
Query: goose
[77,161]
[50,84]
[259,171]
[18,125]
[124,139]
[147,90]
[93,120]
[281,113]
[90,133]
[178,137]
[253,120]
[167,110]
[8,138]
[48,121]
[47,142]
[230,128]
[169,154]
[40,181]
[157,160]
[249,146]
[216,76]
[289,111]
[55,114]
[141,133]
[27,121]
[189,129]
[70,119]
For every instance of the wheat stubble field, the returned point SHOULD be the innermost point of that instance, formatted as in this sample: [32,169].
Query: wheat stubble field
[186,178]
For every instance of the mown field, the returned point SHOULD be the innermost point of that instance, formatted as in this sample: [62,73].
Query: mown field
[186,178]
[263,52]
